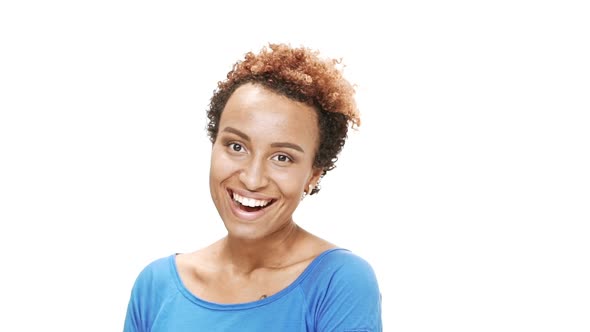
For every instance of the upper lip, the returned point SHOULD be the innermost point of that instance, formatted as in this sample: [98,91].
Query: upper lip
[249,194]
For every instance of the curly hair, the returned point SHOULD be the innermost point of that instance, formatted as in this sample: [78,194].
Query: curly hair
[299,74]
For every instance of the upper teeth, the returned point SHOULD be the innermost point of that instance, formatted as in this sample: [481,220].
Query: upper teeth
[251,202]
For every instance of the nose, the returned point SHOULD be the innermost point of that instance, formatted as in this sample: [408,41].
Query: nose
[253,175]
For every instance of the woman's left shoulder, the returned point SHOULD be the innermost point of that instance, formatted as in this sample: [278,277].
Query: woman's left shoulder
[343,293]
[343,262]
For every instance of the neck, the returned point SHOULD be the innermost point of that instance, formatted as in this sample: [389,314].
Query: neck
[245,256]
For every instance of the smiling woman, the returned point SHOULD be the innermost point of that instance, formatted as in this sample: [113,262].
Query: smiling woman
[263,153]
[277,125]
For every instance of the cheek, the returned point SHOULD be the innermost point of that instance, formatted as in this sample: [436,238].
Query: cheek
[221,167]
[291,183]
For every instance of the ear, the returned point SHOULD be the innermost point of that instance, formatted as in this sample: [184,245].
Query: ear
[315,177]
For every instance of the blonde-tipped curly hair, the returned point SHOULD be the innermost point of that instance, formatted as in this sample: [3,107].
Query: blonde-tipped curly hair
[302,75]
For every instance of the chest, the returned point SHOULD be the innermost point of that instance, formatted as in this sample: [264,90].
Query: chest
[225,288]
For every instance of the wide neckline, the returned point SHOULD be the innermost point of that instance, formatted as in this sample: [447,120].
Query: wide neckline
[245,305]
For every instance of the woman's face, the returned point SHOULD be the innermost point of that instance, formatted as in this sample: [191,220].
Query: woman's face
[262,161]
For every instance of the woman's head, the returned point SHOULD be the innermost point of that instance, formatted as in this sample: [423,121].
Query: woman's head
[301,75]
[262,161]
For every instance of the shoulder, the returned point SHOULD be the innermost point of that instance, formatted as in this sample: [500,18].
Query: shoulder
[155,283]
[345,267]
[203,258]
[156,274]
[343,293]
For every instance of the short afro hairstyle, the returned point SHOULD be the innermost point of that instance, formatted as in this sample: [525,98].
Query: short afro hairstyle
[302,75]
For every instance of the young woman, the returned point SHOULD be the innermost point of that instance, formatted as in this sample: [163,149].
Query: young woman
[277,125]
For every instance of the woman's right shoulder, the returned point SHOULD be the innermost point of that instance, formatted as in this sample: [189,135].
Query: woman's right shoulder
[156,273]
[165,269]
[154,284]
[198,263]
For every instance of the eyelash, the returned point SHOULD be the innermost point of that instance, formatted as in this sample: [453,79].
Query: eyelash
[289,159]
[231,146]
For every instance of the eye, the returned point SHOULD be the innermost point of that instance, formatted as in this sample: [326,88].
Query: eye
[236,147]
[283,158]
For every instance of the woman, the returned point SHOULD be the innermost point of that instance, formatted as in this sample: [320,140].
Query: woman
[277,124]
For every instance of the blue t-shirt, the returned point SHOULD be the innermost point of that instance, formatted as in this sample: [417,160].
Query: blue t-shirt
[338,291]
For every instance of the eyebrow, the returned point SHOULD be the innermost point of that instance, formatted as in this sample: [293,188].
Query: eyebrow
[237,132]
[274,145]
[287,145]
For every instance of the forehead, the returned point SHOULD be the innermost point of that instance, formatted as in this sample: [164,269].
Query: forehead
[259,111]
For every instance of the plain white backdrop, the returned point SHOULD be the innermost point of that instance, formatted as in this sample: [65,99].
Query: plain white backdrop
[466,187]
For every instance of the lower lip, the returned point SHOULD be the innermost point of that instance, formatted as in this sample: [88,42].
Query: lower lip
[245,215]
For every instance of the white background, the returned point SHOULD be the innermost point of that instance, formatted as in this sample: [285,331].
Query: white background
[466,187]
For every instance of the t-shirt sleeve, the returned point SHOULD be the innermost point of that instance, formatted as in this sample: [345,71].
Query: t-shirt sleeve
[147,293]
[133,317]
[348,298]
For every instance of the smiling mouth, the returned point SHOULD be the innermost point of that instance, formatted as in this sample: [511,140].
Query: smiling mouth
[250,204]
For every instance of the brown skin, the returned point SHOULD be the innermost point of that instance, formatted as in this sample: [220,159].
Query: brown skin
[260,255]
[214,274]
[300,74]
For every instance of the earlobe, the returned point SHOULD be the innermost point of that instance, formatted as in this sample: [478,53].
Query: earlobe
[309,190]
